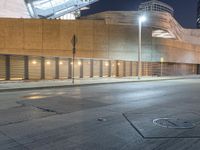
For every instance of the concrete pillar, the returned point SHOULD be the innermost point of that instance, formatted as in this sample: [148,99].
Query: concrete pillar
[198,69]
[57,70]
[101,68]
[70,68]
[42,68]
[81,68]
[109,68]
[124,68]
[117,68]
[7,63]
[26,68]
[91,68]
[131,68]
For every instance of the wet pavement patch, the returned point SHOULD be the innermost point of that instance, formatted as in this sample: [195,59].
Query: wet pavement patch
[62,104]
[21,114]
[155,126]
[32,97]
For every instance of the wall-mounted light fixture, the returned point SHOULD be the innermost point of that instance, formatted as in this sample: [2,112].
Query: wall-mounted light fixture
[34,62]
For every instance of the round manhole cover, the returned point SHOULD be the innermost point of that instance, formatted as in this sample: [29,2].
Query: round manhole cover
[173,123]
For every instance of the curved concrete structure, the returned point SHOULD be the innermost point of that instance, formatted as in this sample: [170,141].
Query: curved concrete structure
[157,20]
[105,40]
[184,42]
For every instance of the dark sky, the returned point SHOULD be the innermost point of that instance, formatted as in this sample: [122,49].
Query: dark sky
[185,10]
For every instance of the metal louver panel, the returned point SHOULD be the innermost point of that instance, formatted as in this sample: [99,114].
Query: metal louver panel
[96,68]
[16,67]
[105,68]
[145,69]
[134,68]
[113,68]
[86,68]
[50,68]
[128,68]
[35,68]
[156,69]
[77,68]
[121,68]
[2,68]
[63,68]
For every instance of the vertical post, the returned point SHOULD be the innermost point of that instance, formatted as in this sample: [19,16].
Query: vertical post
[117,68]
[73,69]
[131,68]
[74,42]
[7,63]
[198,69]
[57,73]
[91,68]
[101,68]
[26,68]
[42,68]
[161,66]
[139,49]
[124,68]
[69,68]
[109,68]
[81,68]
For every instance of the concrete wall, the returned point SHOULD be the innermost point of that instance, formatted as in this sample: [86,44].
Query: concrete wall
[96,39]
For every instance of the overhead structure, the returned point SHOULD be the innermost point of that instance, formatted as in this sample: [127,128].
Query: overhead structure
[198,14]
[52,9]
[155,5]
[13,9]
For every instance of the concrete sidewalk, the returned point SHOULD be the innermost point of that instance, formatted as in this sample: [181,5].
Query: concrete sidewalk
[43,84]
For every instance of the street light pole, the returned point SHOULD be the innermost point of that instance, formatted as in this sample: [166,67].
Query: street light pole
[139,49]
[74,42]
[141,20]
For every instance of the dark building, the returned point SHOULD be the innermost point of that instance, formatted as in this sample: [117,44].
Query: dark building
[198,14]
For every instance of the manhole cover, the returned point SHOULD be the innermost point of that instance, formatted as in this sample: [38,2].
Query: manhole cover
[173,123]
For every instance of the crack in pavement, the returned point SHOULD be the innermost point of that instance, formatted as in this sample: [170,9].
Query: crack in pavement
[154,138]
[15,141]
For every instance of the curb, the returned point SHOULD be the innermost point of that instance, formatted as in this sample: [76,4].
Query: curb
[88,84]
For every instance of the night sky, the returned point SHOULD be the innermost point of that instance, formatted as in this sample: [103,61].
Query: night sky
[185,10]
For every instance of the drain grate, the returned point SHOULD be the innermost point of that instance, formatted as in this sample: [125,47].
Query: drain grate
[173,123]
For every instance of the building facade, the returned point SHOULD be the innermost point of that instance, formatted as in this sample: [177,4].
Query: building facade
[107,47]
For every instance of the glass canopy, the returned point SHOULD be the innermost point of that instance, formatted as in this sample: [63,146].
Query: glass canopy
[155,5]
[55,8]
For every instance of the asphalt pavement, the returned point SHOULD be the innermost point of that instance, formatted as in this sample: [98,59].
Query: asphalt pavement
[156,115]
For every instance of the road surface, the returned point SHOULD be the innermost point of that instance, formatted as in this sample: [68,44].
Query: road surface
[103,117]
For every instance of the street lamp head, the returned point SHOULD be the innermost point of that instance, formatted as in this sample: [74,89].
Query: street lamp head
[142,18]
